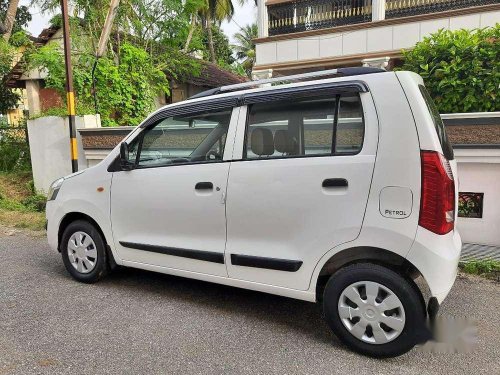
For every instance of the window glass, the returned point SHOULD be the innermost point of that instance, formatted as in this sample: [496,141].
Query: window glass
[304,128]
[438,124]
[350,128]
[183,139]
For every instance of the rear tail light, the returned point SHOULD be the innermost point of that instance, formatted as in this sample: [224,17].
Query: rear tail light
[437,203]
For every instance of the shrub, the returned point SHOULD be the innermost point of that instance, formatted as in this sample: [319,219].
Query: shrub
[460,68]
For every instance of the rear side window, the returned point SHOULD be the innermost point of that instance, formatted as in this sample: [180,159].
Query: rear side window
[438,124]
[306,127]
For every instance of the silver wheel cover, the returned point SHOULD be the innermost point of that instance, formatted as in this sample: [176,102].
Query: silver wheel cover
[82,252]
[371,312]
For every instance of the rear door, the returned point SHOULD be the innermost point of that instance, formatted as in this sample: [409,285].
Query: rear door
[301,185]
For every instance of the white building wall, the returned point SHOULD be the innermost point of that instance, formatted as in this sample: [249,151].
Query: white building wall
[369,40]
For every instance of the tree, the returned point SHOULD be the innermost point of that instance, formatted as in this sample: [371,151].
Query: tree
[213,12]
[221,47]
[245,47]
[9,20]
[8,98]
[460,68]
[23,17]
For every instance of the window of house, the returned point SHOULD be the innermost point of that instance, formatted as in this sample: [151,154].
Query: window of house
[470,205]
[183,139]
[307,127]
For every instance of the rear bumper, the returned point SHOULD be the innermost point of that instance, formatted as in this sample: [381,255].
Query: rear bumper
[437,257]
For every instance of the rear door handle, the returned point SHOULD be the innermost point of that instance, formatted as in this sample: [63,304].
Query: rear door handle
[335,182]
[204,186]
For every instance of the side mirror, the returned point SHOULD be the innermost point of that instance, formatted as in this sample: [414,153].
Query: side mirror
[125,164]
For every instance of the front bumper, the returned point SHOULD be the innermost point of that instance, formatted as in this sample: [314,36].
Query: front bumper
[437,257]
[52,225]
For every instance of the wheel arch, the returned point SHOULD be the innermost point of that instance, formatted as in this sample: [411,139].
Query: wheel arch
[75,215]
[375,255]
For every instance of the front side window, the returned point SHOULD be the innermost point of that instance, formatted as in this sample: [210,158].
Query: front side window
[183,139]
[306,127]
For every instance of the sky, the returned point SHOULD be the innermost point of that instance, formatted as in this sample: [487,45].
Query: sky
[243,15]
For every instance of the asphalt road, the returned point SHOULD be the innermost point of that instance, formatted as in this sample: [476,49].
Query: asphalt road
[136,322]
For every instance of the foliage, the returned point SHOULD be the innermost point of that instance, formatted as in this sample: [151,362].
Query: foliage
[125,91]
[8,98]
[245,47]
[460,68]
[481,267]
[223,50]
[14,150]
[23,16]
[19,39]
[20,205]
[469,204]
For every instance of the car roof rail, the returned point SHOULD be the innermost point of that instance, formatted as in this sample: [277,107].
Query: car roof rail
[345,72]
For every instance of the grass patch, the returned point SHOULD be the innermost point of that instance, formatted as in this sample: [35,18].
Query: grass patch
[25,220]
[486,268]
[20,205]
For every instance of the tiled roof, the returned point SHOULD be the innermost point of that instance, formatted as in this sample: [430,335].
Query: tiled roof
[468,130]
[213,76]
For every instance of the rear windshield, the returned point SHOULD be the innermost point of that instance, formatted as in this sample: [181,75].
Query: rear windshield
[438,124]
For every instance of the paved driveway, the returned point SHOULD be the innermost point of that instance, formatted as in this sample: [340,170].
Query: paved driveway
[139,322]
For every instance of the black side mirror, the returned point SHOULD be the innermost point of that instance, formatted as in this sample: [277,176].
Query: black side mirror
[125,164]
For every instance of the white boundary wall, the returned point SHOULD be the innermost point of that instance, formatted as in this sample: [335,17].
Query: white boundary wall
[50,147]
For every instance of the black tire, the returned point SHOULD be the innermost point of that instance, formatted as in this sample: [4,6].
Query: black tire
[101,263]
[402,288]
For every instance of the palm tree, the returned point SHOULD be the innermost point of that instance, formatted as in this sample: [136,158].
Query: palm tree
[10,16]
[245,47]
[210,12]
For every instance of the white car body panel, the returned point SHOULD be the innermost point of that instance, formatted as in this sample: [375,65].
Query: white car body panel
[276,208]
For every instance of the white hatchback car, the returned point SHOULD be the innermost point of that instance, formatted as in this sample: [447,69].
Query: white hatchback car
[341,190]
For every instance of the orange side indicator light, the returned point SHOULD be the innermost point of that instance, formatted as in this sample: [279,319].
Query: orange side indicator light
[100,189]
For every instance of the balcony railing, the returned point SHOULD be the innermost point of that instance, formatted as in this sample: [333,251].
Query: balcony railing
[302,15]
[405,8]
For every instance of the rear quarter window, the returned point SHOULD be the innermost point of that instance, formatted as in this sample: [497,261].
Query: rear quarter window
[438,124]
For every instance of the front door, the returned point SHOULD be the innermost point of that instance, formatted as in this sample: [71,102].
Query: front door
[301,186]
[169,210]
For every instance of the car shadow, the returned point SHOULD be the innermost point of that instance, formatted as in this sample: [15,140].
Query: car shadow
[302,316]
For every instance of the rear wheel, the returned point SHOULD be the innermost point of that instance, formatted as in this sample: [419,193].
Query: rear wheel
[373,310]
[83,251]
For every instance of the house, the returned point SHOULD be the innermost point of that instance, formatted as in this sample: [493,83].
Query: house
[40,98]
[297,35]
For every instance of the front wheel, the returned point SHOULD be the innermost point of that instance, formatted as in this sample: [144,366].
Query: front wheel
[84,252]
[373,310]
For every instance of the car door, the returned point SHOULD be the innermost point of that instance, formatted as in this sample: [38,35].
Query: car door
[301,185]
[169,209]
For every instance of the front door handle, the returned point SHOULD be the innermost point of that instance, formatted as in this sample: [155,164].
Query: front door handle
[204,186]
[335,182]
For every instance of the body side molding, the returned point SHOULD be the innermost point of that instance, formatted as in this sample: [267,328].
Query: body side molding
[207,256]
[263,262]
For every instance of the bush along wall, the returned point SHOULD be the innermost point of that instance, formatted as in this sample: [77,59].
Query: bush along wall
[460,68]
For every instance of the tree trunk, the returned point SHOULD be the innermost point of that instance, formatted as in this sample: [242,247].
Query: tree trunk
[210,38]
[190,35]
[10,18]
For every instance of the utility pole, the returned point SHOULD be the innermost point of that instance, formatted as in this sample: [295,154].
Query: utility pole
[70,96]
